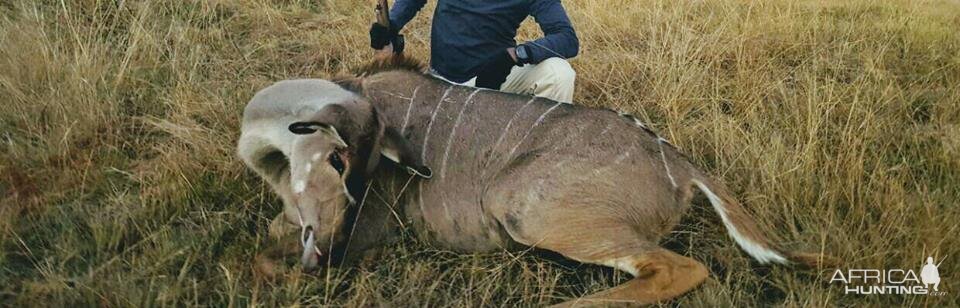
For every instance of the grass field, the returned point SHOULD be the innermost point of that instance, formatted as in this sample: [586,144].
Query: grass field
[835,122]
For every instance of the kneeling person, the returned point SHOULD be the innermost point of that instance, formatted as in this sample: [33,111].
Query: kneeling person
[472,43]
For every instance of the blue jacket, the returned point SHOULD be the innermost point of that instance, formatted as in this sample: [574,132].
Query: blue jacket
[467,32]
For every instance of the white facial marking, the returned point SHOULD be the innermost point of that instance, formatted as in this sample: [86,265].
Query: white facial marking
[349,196]
[309,247]
[453,131]
[426,136]
[335,134]
[299,186]
[307,168]
[315,157]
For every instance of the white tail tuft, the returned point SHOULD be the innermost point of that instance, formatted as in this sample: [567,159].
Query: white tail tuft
[756,250]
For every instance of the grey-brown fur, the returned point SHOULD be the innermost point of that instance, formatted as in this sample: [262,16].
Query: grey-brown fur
[510,154]
[508,172]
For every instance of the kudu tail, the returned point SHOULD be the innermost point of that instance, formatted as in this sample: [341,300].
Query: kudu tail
[745,231]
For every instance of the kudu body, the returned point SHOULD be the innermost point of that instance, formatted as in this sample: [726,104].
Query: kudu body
[508,172]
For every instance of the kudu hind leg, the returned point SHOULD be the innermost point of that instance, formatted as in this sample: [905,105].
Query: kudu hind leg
[658,276]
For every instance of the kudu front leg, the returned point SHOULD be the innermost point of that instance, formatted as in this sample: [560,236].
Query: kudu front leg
[282,242]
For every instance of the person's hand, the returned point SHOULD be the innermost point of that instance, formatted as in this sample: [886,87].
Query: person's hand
[493,72]
[385,41]
[385,52]
[381,36]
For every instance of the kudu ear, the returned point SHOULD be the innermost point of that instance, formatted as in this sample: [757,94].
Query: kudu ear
[307,128]
[351,83]
[396,148]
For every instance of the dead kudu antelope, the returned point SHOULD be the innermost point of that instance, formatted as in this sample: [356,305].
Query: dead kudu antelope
[505,172]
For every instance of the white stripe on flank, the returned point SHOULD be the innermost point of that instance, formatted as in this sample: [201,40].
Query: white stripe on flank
[506,129]
[394,94]
[754,249]
[406,119]
[604,131]
[420,197]
[426,136]
[621,157]
[539,120]
[665,165]
[453,131]
[446,209]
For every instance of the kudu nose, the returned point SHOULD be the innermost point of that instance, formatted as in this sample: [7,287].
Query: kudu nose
[305,235]
[311,255]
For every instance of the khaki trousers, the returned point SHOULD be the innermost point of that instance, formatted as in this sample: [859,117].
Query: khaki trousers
[552,78]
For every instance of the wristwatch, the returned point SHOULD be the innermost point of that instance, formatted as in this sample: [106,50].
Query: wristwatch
[523,54]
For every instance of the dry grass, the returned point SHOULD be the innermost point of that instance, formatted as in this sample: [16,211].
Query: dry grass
[837,123]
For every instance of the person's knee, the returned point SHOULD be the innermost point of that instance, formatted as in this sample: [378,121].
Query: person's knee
[559,72]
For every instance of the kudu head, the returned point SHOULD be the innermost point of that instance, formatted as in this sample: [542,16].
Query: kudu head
[337,140]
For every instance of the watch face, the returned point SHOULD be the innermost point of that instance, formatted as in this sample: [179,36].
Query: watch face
[521,52]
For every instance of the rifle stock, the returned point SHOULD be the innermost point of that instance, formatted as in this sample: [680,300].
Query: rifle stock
[383,18]
[383,9]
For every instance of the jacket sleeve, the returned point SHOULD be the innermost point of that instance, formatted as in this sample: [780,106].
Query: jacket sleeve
[559,39]
[403,11]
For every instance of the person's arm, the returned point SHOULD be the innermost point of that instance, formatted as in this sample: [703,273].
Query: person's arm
[559,40]
[403,11]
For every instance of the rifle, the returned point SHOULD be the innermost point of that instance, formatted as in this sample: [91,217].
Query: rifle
[383,18]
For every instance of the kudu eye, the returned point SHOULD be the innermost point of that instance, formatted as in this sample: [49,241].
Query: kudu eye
[336,162]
